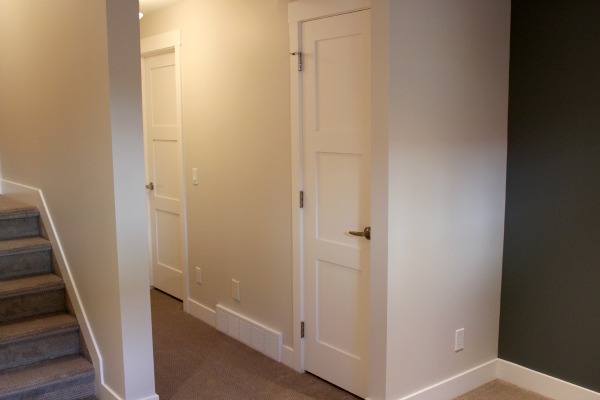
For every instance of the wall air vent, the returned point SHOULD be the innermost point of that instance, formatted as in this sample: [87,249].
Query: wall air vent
[249,332]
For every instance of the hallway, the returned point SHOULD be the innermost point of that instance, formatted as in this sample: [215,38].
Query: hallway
[192,360]
[195,361]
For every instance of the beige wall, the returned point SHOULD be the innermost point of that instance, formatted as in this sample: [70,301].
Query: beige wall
[59,125]
[447,85]
[236,127]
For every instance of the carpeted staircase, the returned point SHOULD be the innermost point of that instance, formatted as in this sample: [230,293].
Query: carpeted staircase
[41,350]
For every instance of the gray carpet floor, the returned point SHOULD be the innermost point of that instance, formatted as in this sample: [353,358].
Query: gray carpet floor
[500,390]
[192,360]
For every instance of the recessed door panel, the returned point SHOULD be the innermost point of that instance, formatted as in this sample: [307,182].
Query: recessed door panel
[338,196]
[168,251]
[162,86]
[336,312]
[166,179]
[338,93]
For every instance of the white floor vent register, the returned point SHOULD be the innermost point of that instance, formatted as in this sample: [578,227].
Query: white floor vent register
[249,332]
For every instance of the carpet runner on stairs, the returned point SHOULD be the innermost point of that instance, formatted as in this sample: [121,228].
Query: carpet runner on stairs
[40,350]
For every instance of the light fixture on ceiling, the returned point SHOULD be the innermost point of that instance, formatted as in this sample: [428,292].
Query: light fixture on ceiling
[141,15]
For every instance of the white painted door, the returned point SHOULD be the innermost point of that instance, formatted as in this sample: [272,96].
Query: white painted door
[336,139]
[163,155]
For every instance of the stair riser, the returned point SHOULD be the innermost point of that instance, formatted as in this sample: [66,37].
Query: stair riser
[24,264]
[30,305]
[16,228]
[38,349]
[73,389]
[44,362]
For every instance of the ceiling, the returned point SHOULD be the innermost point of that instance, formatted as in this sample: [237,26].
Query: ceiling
[149,6]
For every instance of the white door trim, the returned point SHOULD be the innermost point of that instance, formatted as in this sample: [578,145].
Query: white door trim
[306,10]
[167,42]
[300,11]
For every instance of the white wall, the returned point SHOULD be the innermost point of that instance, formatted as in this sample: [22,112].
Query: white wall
[236,131]
[66,120]
[446,137]
[380,80]
[130,197]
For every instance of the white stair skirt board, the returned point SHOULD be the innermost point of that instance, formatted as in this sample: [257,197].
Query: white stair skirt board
[543,384]
[35,197]
[251,333]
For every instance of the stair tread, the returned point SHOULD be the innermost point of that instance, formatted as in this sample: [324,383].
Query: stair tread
[40,325]
[15,246]
[43,373]
[10,208]
[30,284]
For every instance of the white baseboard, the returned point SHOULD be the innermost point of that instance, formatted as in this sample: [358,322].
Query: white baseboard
[202,312]
[105,392]
[153,397]
[509,372]
[458,384]
[288,357]
[209,316]
[543,384]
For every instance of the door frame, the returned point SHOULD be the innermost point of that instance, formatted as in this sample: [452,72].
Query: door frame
[301,11]
[152,46]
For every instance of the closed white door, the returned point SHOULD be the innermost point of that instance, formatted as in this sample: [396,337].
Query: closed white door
[163,155]
[336,139]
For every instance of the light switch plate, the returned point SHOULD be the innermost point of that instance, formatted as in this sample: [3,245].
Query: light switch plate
[235,289]
[195,176]
[199,275]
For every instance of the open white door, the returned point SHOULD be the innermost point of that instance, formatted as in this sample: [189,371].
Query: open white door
[336,165]
[164,164]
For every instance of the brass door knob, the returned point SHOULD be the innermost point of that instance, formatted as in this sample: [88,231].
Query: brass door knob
[366,233]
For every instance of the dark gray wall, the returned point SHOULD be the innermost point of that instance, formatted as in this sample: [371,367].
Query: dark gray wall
[550,318]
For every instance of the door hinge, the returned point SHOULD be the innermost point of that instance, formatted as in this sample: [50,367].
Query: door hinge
[302,330]
[301,198]
[299,54]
